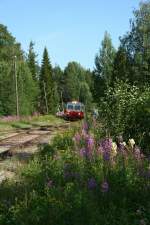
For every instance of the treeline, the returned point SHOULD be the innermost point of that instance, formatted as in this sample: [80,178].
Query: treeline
[43,88]
[40,88]
[122,81]
[131,61]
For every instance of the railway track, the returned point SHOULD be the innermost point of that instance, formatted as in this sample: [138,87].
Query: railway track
[30,137]
[18,147]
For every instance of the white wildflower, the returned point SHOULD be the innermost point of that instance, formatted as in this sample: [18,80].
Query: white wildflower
[131,142]
[114,149]
[124,143]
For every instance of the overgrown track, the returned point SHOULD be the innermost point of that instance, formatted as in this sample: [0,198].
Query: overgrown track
[23,138]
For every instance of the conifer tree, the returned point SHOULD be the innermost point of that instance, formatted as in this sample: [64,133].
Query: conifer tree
[13,67]
[104,62]
[34,69]
[48,98]
[137,44]
[31,60]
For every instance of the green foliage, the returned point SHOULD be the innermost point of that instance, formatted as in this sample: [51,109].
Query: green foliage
[58,77]
[122,66]
[85,95]
[10,54]
[31,60]
[27,89]
[34,70]
[48,91]
[7,89]
[125,110]
[104,62]
[8,46]
[71,74]
[137,42]
[78,84]
[63,142]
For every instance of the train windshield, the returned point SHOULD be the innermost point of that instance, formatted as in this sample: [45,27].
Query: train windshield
[77,107]
[70,107]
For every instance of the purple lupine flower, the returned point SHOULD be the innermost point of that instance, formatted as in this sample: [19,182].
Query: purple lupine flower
[137,153]
[84,152]
[121,147]
[104,187]
[106,147]
[90,142]
[106,144]
[92,183]
[106,155]
[84,134]
[49,183]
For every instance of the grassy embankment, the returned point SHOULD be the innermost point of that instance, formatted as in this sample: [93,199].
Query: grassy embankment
[10,123]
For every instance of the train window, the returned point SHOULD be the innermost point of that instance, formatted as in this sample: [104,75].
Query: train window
[77,107]
[70,107]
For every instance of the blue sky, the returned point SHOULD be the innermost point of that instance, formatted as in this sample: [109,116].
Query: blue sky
[72,30]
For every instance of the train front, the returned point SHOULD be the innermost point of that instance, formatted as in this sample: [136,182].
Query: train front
[74,110]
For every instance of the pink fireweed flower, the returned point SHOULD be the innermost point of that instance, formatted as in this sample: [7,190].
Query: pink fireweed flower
[106,155]
[85,126]
[90,142]
[84,134]
[84,152]
[121,146]
[104,187]
[106,148]
[137,153]
[106,144]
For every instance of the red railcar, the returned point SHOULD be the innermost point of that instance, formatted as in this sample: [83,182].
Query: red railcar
[74,110]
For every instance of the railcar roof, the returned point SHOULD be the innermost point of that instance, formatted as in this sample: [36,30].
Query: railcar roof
[77,103]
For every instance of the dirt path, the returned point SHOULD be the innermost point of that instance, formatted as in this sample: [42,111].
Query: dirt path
[16,148]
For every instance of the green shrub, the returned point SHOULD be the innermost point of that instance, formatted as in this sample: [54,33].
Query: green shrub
[64,141]
[125,110]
